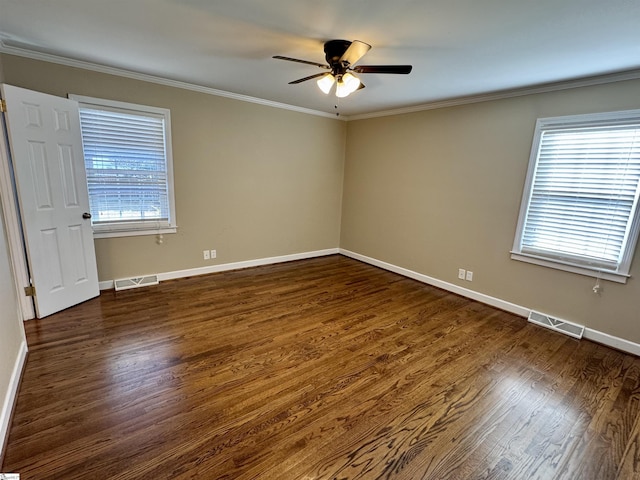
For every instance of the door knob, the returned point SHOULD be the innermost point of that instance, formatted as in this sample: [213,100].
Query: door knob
[86,215]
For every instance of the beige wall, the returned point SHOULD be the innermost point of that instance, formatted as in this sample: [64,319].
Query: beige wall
[432,191]
[11,329]
[11,332]
[251,181]
[440,190]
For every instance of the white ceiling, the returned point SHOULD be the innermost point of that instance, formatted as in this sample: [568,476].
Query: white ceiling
[457,48]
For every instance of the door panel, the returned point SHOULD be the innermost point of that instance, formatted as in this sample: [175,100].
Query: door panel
[46,147]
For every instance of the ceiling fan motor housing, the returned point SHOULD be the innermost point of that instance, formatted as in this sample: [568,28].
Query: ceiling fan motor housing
[334,50]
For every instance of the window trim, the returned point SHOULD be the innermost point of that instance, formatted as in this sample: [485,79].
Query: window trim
[136,228]
[621,274]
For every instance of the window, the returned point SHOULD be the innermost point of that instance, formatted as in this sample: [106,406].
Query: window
[579,209]
[127,156]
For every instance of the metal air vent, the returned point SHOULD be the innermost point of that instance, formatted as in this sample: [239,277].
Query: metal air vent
[568,328]
[135,282]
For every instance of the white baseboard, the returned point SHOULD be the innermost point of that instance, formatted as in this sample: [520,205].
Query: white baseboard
[465,292]
[611,341]
[10,397]
[594,335]
[590,334]
[190,272]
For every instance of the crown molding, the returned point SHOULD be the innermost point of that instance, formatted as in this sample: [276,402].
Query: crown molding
[504,94]
[47,57]
[452,102]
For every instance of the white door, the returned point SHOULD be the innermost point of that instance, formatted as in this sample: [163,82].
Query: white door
[46,150]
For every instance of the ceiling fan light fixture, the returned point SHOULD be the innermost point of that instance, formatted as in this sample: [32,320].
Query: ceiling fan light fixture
[341,57]
[346,85]
[326,82]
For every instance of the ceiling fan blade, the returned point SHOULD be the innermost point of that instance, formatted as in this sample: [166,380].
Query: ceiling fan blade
[403,69]
[355,52]
[289,59]
[310,77]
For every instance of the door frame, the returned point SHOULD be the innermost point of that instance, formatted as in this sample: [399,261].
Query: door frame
[15,238]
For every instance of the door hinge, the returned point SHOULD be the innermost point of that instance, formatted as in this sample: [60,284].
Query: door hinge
[3,106]
[30,291]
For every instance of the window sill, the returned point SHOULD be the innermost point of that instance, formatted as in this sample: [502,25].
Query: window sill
[567,267]
[133,233]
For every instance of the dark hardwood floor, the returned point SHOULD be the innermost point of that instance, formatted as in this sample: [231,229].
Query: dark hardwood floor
[319,369]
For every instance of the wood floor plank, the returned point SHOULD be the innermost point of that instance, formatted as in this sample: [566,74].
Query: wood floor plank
[325,368]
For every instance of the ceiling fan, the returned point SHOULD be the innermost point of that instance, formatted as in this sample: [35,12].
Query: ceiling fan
[341,56]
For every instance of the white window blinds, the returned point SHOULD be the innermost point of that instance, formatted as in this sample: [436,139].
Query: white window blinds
[582,194]
[128,168]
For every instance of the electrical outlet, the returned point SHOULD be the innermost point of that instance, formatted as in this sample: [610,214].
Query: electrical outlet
[461,273]
[205,254]
[213,254]
[469,276]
